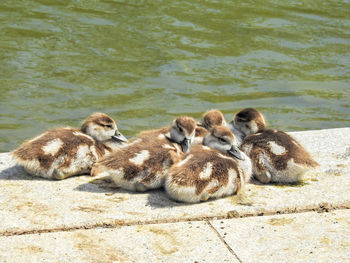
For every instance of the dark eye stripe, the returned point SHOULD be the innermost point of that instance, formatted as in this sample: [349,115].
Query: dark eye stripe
[241,119]
[106,125]
[220,139]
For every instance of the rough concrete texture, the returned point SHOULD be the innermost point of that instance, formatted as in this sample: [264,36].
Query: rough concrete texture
[307,237]
[85,219]
[29,204]
[180,242]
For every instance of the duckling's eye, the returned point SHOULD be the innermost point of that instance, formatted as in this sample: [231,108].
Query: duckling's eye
[180,129]
[247,126]
[107,125]
[221,140]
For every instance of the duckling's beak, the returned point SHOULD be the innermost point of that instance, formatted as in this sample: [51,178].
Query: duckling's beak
[185,145]
[234,151]
[119,137]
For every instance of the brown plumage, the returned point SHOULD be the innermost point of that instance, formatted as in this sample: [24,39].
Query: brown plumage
[210,119]
[293,149]
[205,172]
[250,114]
[100,119]
[143,163]
[62,152]
[276,156]
[213,118]
[200,133]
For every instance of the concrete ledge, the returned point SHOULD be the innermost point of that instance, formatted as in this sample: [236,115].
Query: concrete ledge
[307,237]
[30,205]
[33,204]
[180,242]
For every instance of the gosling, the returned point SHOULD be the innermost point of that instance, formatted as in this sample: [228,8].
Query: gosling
[64,152]
[276,156]
[212,170]
[210,119]
[144,162]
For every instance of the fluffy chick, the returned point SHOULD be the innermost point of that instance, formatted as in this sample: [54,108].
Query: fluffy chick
[210,119]
[213,170]
[143,163]
[63,152]
[276,156]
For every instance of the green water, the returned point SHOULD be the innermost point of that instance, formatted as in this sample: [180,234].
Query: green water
[144,62]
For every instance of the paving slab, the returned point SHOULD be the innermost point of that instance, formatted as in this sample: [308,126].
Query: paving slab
[175,242]
[302,237]
[29,204]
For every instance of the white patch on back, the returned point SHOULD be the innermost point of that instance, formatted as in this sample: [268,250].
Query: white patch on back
[184,160]
[167,146]
[276,149]
[82,134]
[167,135]
[82,152]
[52,147]
[205,147]
[140,157]
[197,140]
[206,172]
[161,136]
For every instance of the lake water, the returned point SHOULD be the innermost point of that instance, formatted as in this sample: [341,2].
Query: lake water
[144,62]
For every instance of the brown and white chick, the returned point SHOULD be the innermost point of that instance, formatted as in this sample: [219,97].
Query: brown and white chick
[144,162]
[212,170]
[210,119]
[245,122]
[63,152]
[276,156]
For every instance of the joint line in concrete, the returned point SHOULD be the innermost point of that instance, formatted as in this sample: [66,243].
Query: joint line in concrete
[120,223]
[223,241]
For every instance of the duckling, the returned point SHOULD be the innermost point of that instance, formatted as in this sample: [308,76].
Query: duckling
[213,118]
[212,170]
[200,133]
[276,156]
[63,152]
[210,119]
[245,122]
[144,162]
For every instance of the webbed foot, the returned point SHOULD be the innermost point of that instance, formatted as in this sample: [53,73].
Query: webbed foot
[59,174]
[140,187]
[264,178]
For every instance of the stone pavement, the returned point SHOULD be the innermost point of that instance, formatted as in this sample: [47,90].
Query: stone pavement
[85,219]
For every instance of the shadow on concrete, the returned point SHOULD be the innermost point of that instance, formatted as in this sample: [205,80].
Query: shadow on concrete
[254,181]
[156,198]
[11,170]
[296,184]
[159,199]
[101,185]
[17,172]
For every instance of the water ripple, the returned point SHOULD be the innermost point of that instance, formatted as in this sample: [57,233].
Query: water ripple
[145,62]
